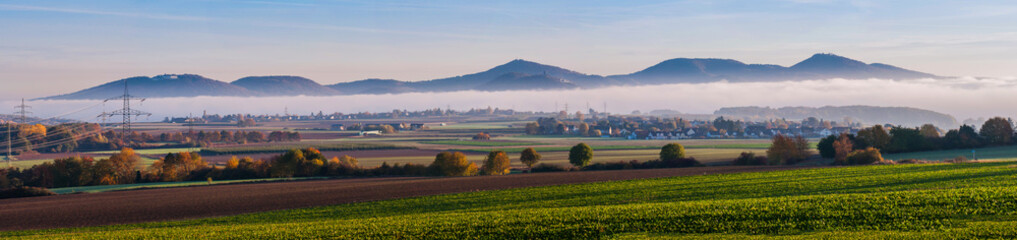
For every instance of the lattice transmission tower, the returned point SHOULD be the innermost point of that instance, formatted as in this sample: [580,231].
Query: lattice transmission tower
[126,112]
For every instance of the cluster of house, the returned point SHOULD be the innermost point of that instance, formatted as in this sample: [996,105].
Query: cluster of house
[750,132]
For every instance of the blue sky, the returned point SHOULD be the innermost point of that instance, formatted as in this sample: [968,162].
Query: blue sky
[52,47]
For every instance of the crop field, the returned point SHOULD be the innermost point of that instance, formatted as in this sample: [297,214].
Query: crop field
[279,148]
[481,125]
[482,143]
[990,153]
[898,201]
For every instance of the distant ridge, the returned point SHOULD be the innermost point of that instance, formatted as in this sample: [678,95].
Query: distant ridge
[284,86]
[515,75]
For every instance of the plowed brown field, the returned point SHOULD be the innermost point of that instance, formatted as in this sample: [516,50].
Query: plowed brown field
[148,205]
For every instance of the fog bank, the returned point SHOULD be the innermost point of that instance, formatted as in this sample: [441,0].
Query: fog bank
[963,98]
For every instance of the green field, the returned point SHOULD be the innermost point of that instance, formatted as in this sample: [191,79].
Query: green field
[279,148]
[990,153]
[929,201]
[557,149]
[481,143]
[706,156]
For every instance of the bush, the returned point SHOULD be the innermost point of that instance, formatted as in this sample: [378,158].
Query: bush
[453,164]
[20,192]
[544,167]
[672,151]
[482,136]
[748,158]
[672,163]
[911,161]
[864,157]
[613,165]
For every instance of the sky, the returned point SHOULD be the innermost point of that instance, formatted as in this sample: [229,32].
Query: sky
[56,47]
[52,47]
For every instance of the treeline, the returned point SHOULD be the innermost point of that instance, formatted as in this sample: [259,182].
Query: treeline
[203,138]
[79,137]
[997,131]
[122,168]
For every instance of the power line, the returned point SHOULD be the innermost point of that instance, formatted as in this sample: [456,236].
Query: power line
[126,112]
[23,112]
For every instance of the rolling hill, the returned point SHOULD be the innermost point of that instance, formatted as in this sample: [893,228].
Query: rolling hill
[284,86]
[515,75]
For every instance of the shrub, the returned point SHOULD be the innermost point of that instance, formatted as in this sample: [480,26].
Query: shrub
[672,163]
[580,155]
[863,157]
[497,163]
[613,165]
[672,151]
[748,158]
[20,192]
[452,164]
[911,161]
[544,167]
[958,159]
[482,136]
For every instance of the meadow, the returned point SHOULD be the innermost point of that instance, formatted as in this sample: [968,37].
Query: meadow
[968,200]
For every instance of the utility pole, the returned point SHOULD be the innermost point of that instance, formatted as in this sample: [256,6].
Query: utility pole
[126,111]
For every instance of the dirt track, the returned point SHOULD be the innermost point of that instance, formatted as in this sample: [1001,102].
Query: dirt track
[148,205]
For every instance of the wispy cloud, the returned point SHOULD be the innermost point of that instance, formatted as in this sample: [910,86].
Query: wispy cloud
[9,7]
[283,3]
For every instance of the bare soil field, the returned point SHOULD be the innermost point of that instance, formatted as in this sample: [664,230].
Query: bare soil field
[387,153]
[78,210]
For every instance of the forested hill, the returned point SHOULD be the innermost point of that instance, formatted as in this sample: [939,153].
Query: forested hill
[904,116]
[515,75]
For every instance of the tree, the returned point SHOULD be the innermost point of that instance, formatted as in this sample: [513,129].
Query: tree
[997,131]
[787,150]
[963,137]
[529,157]
[177,166]
[532,128]
[453,164]
[580,155]
[584,129]
[497,163]
[298,162]
[874,136]
[672,151]
[124,166]
[929,131]
[842,147]
[825,146]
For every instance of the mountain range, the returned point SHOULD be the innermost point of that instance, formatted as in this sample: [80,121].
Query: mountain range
[514,75]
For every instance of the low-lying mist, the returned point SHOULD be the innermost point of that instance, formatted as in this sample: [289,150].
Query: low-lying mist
[961,97]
